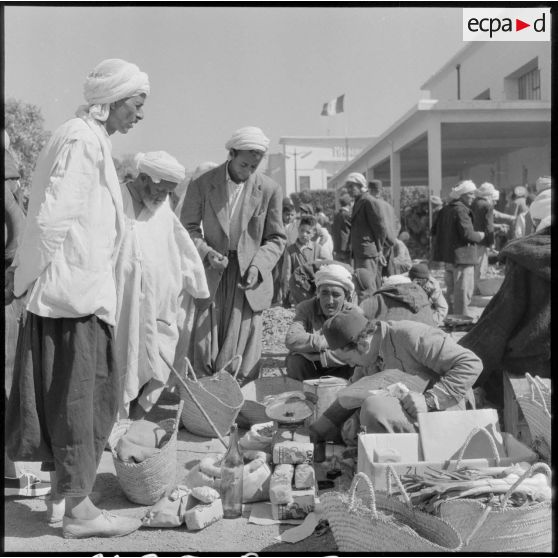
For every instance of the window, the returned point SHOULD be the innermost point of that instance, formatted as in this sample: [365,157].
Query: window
[529,85]
[304,183]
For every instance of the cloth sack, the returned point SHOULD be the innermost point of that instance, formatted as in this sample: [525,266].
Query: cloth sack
[142,440]
[170,509]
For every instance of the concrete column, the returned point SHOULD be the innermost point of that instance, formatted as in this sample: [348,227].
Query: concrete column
[435,157]
[395,179]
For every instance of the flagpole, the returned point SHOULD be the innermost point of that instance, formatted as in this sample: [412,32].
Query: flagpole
[346,139]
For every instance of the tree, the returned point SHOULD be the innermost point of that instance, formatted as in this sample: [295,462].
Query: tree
[25,126]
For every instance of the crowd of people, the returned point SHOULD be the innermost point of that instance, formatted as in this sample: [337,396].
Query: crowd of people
[108,277]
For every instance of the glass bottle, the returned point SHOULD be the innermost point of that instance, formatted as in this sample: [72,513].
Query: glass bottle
[232,470]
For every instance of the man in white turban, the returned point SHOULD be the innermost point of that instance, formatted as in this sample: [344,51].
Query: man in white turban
[370,228]
[309,354]
[455,244]
[233,214]
[158,269]
[67,383]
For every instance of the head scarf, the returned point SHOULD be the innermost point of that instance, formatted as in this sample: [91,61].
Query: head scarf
[542,206]
[159,165]
[543,183]
[247,139]
[485,190]
[334,274]
[465,187]
[436,200]
[111,80]
[357,178]
[419,271]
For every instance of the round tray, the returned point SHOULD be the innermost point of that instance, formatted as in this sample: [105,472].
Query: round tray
[290,410]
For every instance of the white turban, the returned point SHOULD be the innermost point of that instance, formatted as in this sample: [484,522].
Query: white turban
[357,178]
[465,187]
[543,183]
[541,208]
[159,165]
[334,274]
[110,81]
[247,139]
[496,195]
[485,190]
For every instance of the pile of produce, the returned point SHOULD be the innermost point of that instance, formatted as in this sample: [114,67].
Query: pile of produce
[488,485]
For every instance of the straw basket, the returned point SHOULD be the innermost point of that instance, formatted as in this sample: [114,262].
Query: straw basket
[146,482]
[385,524]
[483,529]
[219,395]
[536,409]
[253,410]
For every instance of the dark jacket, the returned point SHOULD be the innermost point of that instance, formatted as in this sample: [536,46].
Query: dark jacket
[513,332]
[483,219]
[406,301]
[368,227]
[453,229]
[341,230]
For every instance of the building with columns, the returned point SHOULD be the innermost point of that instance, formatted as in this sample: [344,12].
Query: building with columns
[485,116]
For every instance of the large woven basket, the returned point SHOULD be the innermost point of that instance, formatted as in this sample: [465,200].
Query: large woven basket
[253,410]
[535,407]
[146,482]
[384,524]
[504,530]
[219,395]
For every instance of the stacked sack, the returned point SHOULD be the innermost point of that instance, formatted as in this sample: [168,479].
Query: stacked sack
[292,489]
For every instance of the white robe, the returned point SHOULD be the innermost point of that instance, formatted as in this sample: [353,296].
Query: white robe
[158,271]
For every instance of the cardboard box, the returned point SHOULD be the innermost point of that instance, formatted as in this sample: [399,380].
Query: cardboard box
[514,451]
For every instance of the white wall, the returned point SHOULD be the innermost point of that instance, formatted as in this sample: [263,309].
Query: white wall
[486,65]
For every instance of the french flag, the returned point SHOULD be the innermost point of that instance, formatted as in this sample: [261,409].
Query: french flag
[333,107]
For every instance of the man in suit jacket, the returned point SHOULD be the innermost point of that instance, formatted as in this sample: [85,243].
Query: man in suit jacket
[242,239]
[368,234]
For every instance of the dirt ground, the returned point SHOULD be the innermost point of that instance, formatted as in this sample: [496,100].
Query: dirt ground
[26,531]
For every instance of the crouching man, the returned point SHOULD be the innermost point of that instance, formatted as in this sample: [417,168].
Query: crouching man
[309,353]
[425,355]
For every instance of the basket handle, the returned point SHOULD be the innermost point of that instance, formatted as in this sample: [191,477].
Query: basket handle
[390,472]
[542,466]
[468,441]
[358,477]
[536,387]
[194,399]
[235,357]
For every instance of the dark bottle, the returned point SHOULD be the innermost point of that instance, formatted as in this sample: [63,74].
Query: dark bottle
[232,470]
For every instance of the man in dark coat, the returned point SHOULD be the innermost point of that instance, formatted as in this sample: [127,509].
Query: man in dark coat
[482,209]
[368,233]
[513,332]
[341,230]
[454,237]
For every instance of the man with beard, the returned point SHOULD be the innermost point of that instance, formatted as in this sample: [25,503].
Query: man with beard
[309,355]
[158,268]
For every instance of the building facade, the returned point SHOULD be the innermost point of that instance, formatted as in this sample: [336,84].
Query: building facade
[485,116]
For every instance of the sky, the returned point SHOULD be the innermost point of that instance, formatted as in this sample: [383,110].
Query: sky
[215,69]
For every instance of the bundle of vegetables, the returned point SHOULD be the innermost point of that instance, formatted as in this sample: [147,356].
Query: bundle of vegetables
[489,485]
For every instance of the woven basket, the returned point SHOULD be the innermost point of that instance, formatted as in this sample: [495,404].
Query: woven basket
[253,410]
[385,524]
[219,395]
[536,410]
[504,530]
[146,482]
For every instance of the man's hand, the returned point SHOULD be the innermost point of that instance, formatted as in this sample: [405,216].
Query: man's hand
[217,261]
[414,403]
[9,286]
[250,280]
[382,260]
